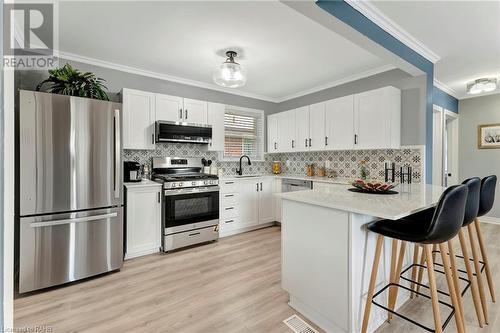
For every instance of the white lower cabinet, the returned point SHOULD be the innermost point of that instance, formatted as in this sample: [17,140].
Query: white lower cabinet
[246,204]
[143,220]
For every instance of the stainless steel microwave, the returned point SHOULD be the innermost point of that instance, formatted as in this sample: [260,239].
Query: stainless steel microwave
[170,131]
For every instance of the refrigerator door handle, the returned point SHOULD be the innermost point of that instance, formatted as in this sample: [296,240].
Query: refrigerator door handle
[117,154]
[74,220]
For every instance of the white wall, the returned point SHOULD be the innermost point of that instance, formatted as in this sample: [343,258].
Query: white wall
[473,161]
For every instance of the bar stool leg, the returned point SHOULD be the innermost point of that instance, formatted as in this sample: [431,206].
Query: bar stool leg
[478,273]
[371,286]
[392,277]
[433,289]
[421,270]
[470,276]
[402,252]
[456,281]
[416,250]
[451,288]
[477,224]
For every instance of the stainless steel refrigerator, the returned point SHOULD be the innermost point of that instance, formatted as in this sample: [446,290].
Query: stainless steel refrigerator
[70,189]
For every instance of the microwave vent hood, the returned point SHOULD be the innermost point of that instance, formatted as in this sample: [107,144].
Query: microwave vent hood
[169,131]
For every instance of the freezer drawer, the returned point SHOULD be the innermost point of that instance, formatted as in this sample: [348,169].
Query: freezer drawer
[56,249]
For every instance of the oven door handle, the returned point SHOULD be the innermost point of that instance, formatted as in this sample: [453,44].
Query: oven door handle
[192,190]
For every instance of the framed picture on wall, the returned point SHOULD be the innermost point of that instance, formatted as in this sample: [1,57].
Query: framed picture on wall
[488,136]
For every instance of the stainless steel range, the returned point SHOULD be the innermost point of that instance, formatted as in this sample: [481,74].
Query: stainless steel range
[190,213]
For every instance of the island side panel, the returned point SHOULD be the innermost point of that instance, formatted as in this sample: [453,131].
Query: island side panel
[315,263]
[362,251]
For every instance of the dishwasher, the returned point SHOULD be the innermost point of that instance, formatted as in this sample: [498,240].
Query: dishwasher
[292,185]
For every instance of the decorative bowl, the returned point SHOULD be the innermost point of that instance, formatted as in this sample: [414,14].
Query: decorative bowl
[372,187]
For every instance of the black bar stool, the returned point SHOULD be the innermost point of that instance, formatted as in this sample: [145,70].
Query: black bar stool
[470,214]
[488,186]
[440,229]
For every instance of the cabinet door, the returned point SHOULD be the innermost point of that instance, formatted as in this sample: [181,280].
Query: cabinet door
[215,117]
[272,133]
[339,120]
[266,200]
[138,119]
[377,115]
[286,131]
[302,129]
[195,111]
[317,126]
[143,221]
[168,108]
[249,202]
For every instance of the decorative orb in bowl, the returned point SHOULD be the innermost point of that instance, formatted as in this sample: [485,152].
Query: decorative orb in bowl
[372,187]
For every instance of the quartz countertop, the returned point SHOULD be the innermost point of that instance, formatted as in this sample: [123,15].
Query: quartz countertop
[412,199]
[142,183]
[299,177]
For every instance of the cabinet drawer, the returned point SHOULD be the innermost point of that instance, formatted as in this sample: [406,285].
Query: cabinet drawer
[227,186]
[228,199]
[226,224]
[229,211]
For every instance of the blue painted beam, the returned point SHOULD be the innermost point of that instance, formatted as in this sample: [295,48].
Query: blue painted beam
[445,100]
[350,16]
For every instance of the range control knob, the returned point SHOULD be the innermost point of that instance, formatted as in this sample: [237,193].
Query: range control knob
[180,185]
[193,183]
[172,185]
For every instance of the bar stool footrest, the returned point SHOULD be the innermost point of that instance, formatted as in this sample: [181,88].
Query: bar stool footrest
[446,322]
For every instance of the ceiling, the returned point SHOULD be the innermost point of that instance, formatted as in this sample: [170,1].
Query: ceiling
[286,53]
[464,34]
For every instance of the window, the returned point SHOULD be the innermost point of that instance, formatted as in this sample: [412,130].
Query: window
[243,130]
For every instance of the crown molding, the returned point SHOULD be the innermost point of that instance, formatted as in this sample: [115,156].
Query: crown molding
[160,76]
[332,84]
[446,89]
[391,27]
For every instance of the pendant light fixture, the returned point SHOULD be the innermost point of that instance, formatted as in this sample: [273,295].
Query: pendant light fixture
[480,86]
[230,73]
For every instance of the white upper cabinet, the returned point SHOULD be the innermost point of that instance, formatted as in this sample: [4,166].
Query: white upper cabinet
[286,131]
[195,111]
[339,123]
[215,117]
[138,119]
[168,108]
[302,129]
[377,119]
[272,133]
[317,137]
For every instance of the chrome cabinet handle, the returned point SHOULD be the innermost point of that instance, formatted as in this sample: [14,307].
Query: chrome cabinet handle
[229,195]
[293,143]
[194,234]
[229,183]
[306,143]
[309,142]
[261,187]
[159,193]
[186,114]
[355,139]
[228,221]
[257,187]
[326,141]
[118,154]
[180,113]
[275,147]
[229,208]
[153,138]
[74,220]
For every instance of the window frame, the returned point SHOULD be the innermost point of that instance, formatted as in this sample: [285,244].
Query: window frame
[261,141]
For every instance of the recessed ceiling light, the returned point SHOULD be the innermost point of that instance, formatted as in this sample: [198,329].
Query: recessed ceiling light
[481,86]
[230,73]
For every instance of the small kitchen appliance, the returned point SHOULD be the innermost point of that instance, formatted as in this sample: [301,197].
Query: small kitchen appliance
[132,171]
[190,213]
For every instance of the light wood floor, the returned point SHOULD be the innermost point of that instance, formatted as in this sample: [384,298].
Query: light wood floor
[229,286]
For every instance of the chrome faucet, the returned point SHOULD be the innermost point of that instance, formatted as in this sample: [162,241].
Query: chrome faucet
[240,171]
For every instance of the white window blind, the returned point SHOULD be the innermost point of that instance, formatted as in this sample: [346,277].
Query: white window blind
[243,134]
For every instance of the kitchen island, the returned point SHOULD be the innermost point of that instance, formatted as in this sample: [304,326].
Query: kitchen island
[327,252]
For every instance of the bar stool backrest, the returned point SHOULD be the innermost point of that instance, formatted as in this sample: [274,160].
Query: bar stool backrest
[488,185]
[448,216]
[472,204]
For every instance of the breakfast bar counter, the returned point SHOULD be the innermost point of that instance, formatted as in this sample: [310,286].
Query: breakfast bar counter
[327,252]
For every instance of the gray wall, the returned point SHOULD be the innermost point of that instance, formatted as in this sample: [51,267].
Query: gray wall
[116,80]
[473,161]
[412,100]
[413,93]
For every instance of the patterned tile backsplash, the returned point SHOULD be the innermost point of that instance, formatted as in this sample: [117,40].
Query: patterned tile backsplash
[346,163]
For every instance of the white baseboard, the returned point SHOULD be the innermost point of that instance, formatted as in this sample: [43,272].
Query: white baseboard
[490,219]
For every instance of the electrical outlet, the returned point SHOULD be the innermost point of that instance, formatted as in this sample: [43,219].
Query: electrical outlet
[288,163]
[328,164]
